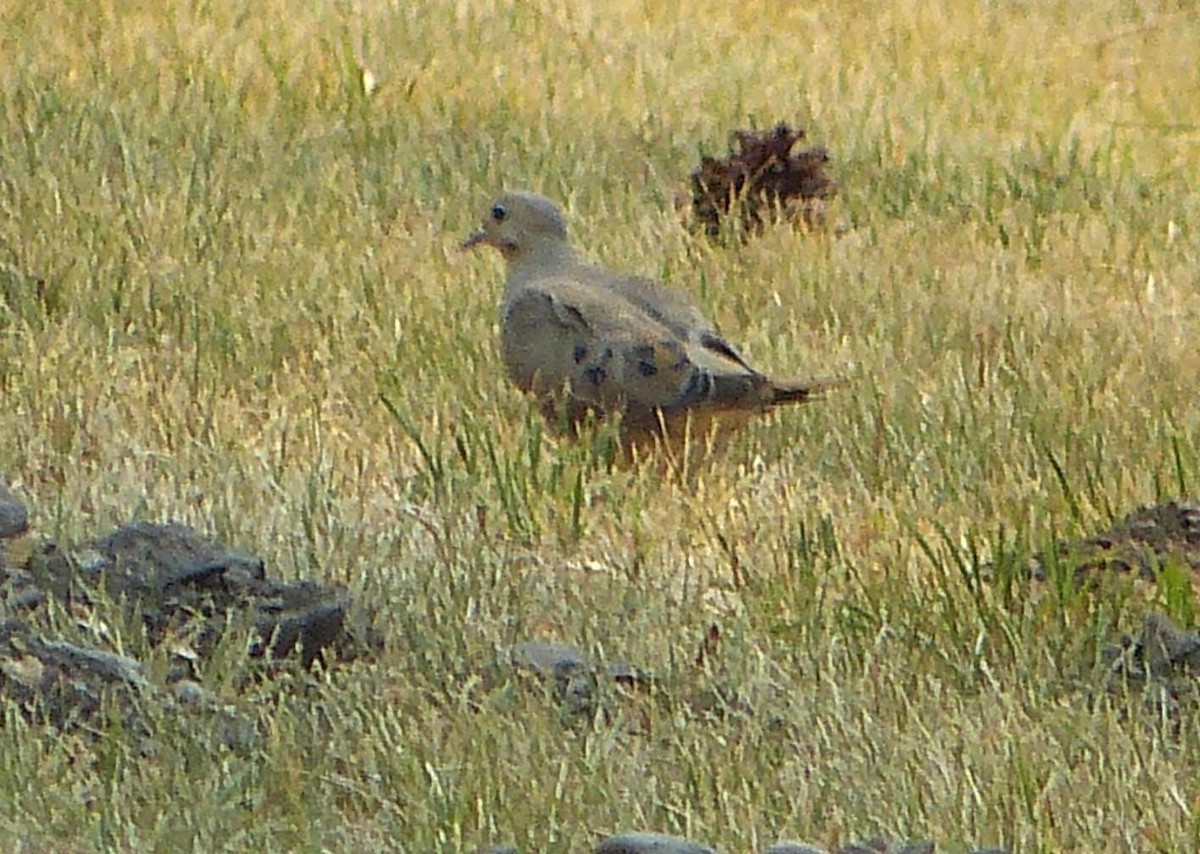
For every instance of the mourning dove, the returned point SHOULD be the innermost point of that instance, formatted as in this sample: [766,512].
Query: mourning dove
[579,337]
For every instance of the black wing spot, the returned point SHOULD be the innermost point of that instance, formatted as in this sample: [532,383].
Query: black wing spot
[595,374]
[673,347]
[579,354]
[698,387]
[647,368]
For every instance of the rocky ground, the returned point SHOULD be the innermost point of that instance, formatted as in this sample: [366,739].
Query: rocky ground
[189,591]
[657,843]
[1145,542]
[660,843]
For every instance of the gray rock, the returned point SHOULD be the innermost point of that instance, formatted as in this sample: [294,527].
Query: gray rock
[1167,648]
[1165,659]
[789,847]
[627,674]
[104,666]
[14,516]
[189,692]
[553,660]
[563,662]
[64,683]
[650,843]
[19,590]
[166,573]
[575,677]
[1141,543]
[879,845]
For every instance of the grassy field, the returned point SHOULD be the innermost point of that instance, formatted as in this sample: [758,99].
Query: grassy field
[244,252]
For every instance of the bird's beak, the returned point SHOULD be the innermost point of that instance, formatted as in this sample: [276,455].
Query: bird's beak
[474,240]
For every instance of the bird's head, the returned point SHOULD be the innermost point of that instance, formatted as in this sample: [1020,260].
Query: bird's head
[518,224]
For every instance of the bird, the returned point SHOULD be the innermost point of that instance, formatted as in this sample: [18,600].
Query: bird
[583,339]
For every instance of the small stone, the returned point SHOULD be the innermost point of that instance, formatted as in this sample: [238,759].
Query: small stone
[650,843]
[189,692]
[103,665]
[864,847]
[789,847]
[573,676]
[14,516]
[27,670]
[550,659]
[1165,646]
[626,674]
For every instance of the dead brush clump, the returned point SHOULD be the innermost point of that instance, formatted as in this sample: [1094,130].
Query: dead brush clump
[767,179]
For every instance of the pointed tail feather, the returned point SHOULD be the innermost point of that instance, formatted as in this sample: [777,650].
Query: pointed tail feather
[802,391]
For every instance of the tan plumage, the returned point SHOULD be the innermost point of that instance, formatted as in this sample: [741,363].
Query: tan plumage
[580,337]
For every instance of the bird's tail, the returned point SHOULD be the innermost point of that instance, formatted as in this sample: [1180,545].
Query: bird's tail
[802,391]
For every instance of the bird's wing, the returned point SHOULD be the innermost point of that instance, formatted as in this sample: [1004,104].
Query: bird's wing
[670,306]
[616,356]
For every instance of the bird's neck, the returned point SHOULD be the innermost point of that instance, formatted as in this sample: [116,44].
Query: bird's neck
[545,258]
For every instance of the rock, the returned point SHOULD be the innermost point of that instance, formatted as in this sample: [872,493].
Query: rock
[1142,543]
[68,684]
[180,587]
[1162,665]
[552,660]
[564,662]
[874,846]
[787,847]
[107,666]
[171,575]
[19,590]
[575,677]
[650,843]
[1167,649]
[61,682]
[879,845]
[1163,650]
[189,692]
[14,516]
[924,847]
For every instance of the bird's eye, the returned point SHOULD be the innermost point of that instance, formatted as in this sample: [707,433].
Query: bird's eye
[499,212]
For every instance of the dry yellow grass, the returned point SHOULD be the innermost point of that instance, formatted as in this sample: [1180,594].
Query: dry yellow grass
[244,251]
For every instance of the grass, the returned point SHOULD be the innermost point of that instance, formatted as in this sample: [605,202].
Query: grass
[253,319]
